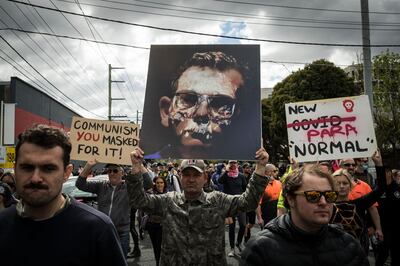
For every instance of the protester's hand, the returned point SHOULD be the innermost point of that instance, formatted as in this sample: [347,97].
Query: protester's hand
[294,163]
[262,157]
[136,158]
[260,222]
[88,167]
[376,157]
[379,234]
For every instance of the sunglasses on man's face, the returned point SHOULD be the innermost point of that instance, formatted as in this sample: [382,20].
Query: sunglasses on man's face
[349,164]
[314,196]
[115,170]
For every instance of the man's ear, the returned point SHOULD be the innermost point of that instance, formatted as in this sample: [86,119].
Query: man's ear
[290,200]
[164,104]
[68,171]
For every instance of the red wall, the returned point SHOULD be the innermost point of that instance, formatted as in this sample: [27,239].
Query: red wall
[25,119]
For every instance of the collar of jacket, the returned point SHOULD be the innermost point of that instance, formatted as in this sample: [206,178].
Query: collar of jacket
[285,226]
[182,199]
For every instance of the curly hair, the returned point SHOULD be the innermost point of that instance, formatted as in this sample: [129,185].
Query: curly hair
[46,137]
[294,180]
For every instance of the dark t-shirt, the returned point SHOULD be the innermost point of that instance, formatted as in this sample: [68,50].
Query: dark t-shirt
[78,235]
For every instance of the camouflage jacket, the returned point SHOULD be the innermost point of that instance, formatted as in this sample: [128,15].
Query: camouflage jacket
[194,231]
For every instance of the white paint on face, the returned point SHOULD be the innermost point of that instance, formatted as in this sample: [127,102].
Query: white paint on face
[210,82]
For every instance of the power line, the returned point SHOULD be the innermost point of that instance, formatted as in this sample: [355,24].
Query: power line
[279,18]
[90,25]
[74,38]
[66,96]
[65,74]
[47,90]
[119,44]
[307,8]
[237,15]
[67,50]
[208,34]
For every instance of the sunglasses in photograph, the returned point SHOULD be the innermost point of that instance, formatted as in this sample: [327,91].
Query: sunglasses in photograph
[349,164]
[314,196]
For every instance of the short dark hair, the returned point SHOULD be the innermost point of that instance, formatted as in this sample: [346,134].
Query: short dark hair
[295,179]
[46,137]
[214,60]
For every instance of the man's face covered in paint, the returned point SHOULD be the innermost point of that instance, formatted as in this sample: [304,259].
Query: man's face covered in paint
[204,103]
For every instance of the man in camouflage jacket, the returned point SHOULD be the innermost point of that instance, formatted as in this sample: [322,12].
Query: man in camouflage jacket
[194,221]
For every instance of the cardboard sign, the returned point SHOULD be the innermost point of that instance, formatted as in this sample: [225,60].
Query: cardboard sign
[106,141]
[202,102]
[330,129]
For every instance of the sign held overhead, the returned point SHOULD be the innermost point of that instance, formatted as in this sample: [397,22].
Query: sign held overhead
[106,141]
[330,129]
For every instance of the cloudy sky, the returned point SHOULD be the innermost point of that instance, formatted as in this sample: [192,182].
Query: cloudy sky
[75,71]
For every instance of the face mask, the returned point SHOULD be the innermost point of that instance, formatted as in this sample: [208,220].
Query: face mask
[365,167]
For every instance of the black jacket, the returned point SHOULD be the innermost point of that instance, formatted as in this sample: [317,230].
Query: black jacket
[282,244]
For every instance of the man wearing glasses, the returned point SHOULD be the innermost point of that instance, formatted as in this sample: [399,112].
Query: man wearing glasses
[112,198]
[303,236]
[203,106]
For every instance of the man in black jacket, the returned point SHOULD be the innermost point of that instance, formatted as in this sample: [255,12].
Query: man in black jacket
[303,236]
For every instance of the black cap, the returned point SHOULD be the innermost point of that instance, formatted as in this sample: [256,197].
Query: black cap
[113,164]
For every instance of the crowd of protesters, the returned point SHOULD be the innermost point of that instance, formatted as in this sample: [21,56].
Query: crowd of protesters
[328,213]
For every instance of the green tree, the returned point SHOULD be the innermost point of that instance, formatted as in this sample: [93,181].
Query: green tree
[386,90]
[318,80]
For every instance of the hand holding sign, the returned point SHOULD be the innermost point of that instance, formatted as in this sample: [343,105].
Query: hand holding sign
[88,167]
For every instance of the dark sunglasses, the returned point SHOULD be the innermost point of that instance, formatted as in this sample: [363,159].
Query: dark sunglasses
[115,170]
[314,196]
[349,164]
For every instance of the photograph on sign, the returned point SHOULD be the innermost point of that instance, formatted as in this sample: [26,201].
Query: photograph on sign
[330,129]
[202,102]
[103,140]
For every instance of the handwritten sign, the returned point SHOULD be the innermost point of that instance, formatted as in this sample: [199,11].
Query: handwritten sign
[330,129]
[106,141]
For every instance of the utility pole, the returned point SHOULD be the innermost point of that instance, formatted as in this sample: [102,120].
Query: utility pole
[367,69]
[110,99]
[137,117]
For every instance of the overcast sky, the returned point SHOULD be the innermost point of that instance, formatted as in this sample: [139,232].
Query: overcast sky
[79,69]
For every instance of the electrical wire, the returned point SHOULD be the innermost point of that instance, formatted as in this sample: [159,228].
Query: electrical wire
[230,21]
[48,81]
[212,35]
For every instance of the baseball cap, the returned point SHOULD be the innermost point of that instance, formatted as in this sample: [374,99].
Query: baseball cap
[199,165]
[232,161]
[113,164]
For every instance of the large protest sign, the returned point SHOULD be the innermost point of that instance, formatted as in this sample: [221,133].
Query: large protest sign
[202,102]
[106,141]
[330,129]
